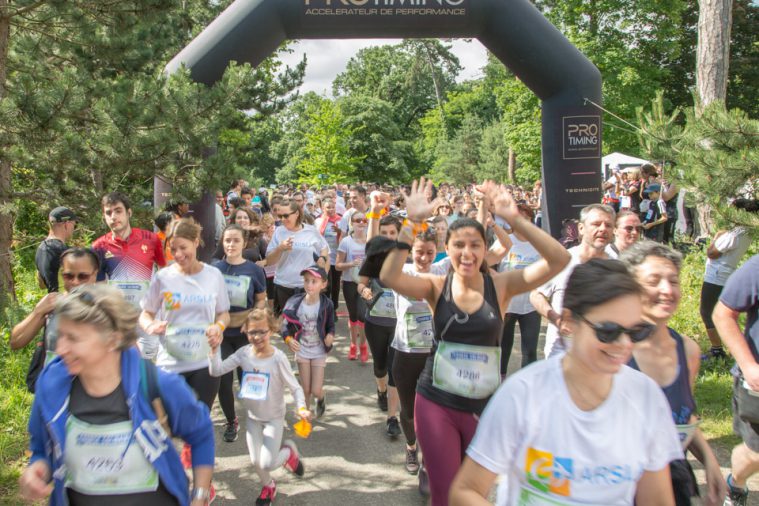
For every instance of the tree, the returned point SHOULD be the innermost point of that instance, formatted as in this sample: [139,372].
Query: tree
[715,19]
[327,156]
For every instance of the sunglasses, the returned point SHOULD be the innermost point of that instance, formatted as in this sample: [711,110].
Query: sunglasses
[256,333]
[284,216]
[360,221]
[88,299]
[630,228]
[608,332]
[79,276]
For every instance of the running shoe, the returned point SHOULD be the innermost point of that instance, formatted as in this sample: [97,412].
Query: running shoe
[393,427]
[424,482]
[412,460]
[352,352]
[735,496]
[293,462]
[230,431]
[186,456]
[267,495]
[382,400]
[364,353]
[320,407]
[714,353]
[211,494]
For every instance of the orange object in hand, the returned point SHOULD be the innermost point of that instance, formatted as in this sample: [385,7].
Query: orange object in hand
[302,428]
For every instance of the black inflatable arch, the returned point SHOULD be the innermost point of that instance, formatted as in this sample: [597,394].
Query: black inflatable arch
[513,30]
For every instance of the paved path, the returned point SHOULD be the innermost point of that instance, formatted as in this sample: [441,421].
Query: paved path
[348,458]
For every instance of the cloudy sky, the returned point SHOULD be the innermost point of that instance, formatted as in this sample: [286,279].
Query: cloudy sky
[327,58]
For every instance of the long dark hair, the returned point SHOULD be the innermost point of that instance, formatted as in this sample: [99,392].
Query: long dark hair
[597,282]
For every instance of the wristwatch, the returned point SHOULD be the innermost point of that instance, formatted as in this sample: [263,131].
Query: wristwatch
[201,494]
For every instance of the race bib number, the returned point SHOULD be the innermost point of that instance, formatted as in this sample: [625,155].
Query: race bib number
[254,386]
[466,370]
[419,330]
[686,433]
[133,291]
[187,343]
[106,460]
[384,307]
[237,289]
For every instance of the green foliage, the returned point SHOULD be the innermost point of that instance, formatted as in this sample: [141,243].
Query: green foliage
[717,155]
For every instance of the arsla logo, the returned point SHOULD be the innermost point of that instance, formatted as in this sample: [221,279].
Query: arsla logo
[383,3]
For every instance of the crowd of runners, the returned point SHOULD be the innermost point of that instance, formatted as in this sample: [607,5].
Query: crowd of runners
[137,336]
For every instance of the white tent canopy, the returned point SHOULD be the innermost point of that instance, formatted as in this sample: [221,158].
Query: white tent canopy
[621,161]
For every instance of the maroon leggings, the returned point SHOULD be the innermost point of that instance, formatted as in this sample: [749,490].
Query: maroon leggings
[444,435]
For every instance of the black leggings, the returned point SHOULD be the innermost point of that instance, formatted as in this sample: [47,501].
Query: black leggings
[379,338]
[709,296]
[333,285]
[203,384]
[226,388]
[529,328]
[281,294]
[356,306]
[407,367]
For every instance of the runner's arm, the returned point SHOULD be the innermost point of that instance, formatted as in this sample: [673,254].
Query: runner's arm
[543,306]
[393,277]
[655,488]
[471,485]
[23,333]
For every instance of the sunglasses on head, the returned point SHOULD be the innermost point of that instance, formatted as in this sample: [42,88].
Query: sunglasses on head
[630,228]
[284,216]
[256,333]
[79,276]
[608,332]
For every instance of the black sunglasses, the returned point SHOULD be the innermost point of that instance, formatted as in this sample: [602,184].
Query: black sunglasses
[89,299]
[608,332]
[79,276]
[284,216]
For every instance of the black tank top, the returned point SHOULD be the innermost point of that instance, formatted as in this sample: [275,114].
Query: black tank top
[451,324]
[678,393]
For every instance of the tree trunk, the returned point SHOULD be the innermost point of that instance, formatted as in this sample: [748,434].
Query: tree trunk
[715,20]
[7,288]
[512,165]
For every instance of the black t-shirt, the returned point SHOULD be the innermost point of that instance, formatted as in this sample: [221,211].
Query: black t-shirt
[109,409]
[48,261]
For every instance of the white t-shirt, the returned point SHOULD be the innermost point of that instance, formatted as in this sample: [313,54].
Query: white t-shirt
[307,242]
[311,345]
[552,452]
[330,235]
[353,250]
[189,303]
[733,245]
[553,290]
[414,316]
[521,255]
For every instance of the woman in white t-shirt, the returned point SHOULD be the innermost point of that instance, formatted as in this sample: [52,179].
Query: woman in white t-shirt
[187,306]
[350,256]
[293,247]
[581,428]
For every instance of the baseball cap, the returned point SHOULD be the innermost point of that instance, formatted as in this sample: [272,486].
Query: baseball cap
[61,215]
[315,270]
[655,187]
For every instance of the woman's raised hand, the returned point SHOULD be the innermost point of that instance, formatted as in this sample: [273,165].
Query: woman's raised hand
[418,208]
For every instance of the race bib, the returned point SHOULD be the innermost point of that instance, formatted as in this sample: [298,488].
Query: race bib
[133,291]
[187,343]
[237,289]
[384,307]
[419,330]
[686,433]
[254,386]
[466,370]
[106,460]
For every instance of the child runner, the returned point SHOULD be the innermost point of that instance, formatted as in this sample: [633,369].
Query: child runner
[350,254]
[308,327]
[266,372]
[246,287]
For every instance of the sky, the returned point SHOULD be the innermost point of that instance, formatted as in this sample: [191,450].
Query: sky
[328,58]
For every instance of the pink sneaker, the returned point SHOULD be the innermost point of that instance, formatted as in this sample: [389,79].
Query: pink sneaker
[364,353]
[352,352]
[267,495]
[211,494]
[293,463]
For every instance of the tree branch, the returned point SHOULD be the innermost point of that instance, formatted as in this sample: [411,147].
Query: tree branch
[28,8]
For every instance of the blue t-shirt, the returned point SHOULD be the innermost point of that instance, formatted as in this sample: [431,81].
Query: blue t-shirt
[741,293]
[243,282]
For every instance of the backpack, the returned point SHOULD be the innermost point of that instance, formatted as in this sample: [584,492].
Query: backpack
[149,387]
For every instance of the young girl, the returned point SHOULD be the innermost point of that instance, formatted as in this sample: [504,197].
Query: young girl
[308,328]
[266,372]
[350,255]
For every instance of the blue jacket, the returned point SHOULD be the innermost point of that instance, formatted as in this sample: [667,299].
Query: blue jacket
[188,417]
[325,322]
